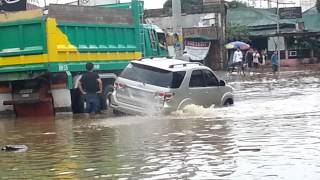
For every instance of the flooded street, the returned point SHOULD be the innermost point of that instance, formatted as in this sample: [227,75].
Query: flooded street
[272,132]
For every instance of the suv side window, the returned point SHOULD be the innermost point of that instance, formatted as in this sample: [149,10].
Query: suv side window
[210,79]
[196,79]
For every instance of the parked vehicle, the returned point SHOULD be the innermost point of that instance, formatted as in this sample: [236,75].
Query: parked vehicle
[166,85]
[41,53]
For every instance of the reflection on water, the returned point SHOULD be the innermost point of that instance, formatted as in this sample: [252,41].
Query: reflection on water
[270,133]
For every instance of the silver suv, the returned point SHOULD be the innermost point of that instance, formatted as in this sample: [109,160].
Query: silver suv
[150,86]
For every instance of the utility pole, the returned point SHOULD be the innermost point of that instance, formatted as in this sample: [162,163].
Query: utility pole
[278,34]
[269,4]
[176,16]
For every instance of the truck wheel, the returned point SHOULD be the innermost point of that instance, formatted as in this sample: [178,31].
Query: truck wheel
[105,97]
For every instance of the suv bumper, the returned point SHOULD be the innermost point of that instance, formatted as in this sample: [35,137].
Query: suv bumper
[131,109]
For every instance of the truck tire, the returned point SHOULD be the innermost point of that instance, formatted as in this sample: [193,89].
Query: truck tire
[105,97]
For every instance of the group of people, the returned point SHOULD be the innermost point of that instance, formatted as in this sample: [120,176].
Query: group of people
[252,61]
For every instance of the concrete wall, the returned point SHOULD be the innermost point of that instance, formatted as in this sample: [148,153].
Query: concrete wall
[187,21]
[212,13]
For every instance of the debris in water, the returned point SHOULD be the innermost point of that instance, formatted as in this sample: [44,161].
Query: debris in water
[15,148]
[250,149]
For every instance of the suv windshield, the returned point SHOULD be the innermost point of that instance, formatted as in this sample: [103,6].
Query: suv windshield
[153,75]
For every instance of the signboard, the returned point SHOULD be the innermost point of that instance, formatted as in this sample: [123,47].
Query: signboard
[208,32]
[13,5]
[290,13]
[276,42]
[197,50]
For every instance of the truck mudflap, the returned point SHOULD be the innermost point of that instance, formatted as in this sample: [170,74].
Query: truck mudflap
[32,102]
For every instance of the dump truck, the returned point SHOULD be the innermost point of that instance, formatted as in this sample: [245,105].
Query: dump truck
[43,54]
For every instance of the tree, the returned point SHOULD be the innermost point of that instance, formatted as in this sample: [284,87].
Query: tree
[185,4]
[236,32]
[236,4]
[308,43]
[318,5]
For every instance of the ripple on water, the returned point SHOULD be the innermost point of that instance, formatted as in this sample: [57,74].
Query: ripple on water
[278,116]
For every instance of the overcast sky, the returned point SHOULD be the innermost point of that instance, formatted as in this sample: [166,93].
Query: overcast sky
[155,4]
[150,4]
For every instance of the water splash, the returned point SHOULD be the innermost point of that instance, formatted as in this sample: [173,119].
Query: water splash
[194,111]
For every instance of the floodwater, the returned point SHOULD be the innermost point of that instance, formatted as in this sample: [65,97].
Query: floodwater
[272,132]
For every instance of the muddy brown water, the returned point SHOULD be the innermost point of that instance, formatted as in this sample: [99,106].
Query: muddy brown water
[272,132]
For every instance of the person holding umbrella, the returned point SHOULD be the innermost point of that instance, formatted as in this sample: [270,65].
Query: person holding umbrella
[237,60]
[238,56]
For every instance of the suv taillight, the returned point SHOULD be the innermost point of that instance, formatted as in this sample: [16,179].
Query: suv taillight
[166,96]
[118,85]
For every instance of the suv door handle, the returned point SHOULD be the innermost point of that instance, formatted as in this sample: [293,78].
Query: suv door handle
[207,92]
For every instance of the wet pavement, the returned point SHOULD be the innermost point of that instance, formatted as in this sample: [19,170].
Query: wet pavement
[272,132]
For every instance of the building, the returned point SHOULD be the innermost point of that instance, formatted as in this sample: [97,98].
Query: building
[294,33]
[200,23]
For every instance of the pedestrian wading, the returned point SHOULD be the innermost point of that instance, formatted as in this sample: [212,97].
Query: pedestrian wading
[91,86]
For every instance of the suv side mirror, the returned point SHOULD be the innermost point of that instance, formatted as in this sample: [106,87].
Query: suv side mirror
[222,83]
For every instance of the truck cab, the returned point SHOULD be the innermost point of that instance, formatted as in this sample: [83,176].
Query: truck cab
[154,41]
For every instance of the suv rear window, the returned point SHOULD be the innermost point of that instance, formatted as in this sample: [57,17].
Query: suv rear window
[153,75]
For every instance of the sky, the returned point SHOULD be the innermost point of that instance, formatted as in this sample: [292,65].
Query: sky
[150,4]
[155,4]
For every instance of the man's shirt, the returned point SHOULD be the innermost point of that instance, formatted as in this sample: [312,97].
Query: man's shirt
[89,82]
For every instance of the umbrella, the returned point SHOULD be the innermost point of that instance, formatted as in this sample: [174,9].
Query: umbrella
[237,44]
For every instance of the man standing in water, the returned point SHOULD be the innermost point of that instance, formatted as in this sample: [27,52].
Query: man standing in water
[90,86]
[275,63]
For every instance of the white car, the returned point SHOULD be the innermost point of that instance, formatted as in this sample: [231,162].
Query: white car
[150,86]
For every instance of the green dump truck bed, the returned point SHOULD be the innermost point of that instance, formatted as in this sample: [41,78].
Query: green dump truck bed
[68,36]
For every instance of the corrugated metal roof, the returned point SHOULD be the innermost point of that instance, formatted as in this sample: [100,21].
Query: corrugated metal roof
[252,17]
[311,11]
[311,19]
[263,21]
[312,22]
[272,32]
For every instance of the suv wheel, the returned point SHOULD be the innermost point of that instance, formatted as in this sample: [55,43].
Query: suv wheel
[228,102]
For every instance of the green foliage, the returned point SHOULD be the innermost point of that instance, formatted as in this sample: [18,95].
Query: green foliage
[236,32]
[318,5]
[185,4]
[236,4]
[309,43]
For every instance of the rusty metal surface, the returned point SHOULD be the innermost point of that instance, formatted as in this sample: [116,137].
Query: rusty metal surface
[208,32]
[90,15]
[20,15]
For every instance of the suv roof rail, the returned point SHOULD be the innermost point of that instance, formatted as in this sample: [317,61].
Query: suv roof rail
[185,64]
[143,58]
